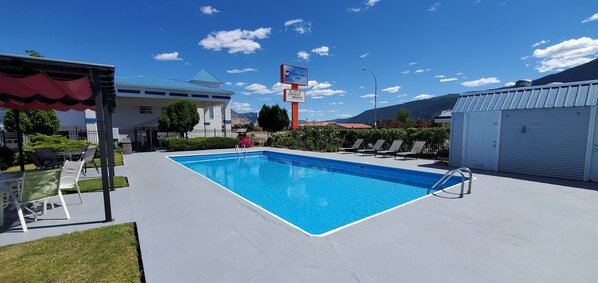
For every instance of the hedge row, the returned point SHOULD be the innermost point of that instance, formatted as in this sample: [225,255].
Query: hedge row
[180,144]
[55,143]
[331,138]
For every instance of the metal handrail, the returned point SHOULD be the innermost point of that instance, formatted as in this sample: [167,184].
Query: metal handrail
[449,174]
[240,150]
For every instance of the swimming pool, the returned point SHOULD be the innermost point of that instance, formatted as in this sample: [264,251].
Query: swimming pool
[315,195]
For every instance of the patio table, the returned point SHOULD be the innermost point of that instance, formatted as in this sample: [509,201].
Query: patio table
[7,178]
[68,155]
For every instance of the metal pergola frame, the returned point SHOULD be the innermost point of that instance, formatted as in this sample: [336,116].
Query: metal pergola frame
[101,78]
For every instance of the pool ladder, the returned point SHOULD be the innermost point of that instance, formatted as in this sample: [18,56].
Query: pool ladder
[241,150]
[449,174]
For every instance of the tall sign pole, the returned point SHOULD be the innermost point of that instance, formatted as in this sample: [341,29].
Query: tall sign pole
[295,76]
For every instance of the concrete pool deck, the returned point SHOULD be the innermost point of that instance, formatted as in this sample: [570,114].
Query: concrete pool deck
[511,228]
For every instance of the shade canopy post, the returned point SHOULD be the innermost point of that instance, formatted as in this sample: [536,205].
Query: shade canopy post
[102,144]
[19,139]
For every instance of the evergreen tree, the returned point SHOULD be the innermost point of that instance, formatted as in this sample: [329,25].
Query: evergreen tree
[180,116]
[273,118]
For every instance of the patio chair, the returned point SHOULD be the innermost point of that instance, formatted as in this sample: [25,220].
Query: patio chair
[39,163]
[416,149]
[36,186]
[354,148]
[47,157]
[377,146]
[394,147]
[88,157]
[71,171]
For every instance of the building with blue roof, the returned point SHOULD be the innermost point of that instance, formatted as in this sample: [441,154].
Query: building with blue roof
[142,99]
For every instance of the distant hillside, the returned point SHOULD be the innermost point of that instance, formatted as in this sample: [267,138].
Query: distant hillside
[418,109]
[584,72]
[243,118]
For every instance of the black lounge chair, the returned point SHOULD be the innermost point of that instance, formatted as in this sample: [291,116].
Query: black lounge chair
[394,147]
[415,150]
[354,148]
[41,163]
[377,146]
[47,157]
[88,157]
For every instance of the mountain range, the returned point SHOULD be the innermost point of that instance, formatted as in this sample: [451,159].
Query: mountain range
[428,108]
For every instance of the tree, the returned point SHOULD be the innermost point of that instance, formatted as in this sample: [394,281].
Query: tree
[32,121]
[403,118]
[180,116]
[34,53]
[273,118]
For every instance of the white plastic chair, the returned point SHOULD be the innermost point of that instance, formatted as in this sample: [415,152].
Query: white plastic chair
[71,170]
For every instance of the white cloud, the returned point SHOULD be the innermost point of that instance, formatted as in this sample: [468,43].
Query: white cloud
[406,72]
[594,17]
[448,80]
[502,4]
[524,58]
[280,87]
[322,50]
[317,85]
[459,74]
[298,25]
[382,102]
[208,10]
[240,84]
[292,22]
[371,3]
[354,10]
[174,56]
[566,54]
[238,106]
[392,89]
[303,55]
[239,71]
[368,95]
[439,76]
[434,7]
[419,71]
[344,115]
[235,40]
[412,63]
[337,103]
[510,84]
[541,42]
[481,82]
[423,96]
[364,55]
[317,97]
[259,88]
[228,83]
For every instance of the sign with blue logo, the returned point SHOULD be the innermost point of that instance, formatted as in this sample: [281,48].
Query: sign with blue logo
[290,74]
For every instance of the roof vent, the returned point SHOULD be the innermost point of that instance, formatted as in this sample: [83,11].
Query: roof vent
[523,83]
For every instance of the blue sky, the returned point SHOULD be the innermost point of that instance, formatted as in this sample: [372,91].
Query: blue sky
[417,49]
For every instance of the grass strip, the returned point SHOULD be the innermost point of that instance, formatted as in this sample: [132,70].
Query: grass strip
[107,254]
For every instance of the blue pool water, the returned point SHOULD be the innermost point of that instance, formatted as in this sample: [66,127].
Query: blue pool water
[316,195]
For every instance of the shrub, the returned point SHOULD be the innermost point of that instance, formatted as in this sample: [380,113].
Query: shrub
[330,138]
[7,157]
[180,144]
[55,143]
[245,142]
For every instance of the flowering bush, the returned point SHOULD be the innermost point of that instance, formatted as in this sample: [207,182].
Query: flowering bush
[245,142]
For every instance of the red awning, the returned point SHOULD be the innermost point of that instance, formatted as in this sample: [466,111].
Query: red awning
[39,91]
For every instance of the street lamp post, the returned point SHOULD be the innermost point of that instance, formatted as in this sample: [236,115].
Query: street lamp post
[375,95]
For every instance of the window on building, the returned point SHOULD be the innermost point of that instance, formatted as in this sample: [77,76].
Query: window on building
[211,111]
[145,110]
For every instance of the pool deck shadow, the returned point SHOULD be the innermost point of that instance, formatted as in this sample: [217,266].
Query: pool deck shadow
[511,228]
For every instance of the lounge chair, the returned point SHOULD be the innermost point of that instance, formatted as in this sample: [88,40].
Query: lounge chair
[354,148]
[377,146]
[39,163]
[394,147]
[416,149]
[47,157]
[69,178]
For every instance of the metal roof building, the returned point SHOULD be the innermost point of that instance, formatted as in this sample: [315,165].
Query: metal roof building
[547,130]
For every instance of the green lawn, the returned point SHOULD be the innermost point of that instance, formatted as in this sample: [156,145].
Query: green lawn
[118,161]
[107,254]
[90,185]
